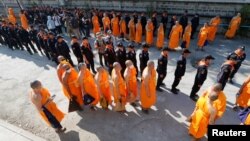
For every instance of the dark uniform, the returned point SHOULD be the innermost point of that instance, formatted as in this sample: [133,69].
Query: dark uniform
[161,70]
[225,72]
[25,39]
[179,71]
[121,57]
[52,49]
[164,21]
[143,24]
[87,52]
[63,49]
[33,36]
[144,57]
[110,57]
[131,55]
[239,61]
[13,39]
[77,51]
[200,78]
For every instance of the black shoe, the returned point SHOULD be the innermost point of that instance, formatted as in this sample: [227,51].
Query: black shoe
[193,98]
[196,96]
[174,91]
[92,108]
[133,104]
[235,107]
[230,81]
[145,111]
[159,89]
[177,89]
[163,84]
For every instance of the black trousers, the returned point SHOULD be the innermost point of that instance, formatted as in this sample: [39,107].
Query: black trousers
[36,42]
[59,29]
[142,67]
[68,58]
[160,79]
[101,57]
[29,43]
[176,82]
[110,68]
[236,68]
[193,31]
[195,88]
[91,65]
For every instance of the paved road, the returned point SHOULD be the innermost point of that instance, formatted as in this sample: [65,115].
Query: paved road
[166,120]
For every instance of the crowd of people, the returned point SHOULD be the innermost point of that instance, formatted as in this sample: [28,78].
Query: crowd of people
[42,29]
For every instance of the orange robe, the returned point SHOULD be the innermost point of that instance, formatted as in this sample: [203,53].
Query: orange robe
[244,96]
[200,119]
[60,70]
[174,37]
[202,36]
[123,28]
[106,23]
[160,38]
[138,33]
[149,33]
[115,26]
[214,23]
[187,35]
[24,21]
[104,86]
[247,121]
[51,106]
[219,104]
[131,84]
[11,16]
[96,26]
[74,87]
[131,26]
[233,27]
[90,86]
[146,101]
[120,84]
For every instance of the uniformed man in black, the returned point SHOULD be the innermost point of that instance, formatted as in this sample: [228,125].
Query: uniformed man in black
[76,49]
[201,76]
[52,47]
[13,37]
[226,70]
[162,68]
[121,56]
[241,56]
[25,39]
[180,70]
[63,49]
[131,55]
[109,55]
[4,32]
[33,36]
[144,57]
[88,55]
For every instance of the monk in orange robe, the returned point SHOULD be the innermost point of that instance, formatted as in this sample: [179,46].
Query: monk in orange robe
[115,26]
[203,114]
[160,37]
[202,37]
[43,102]
[123,28]
[103,85]
[220,103]
[149,32]
[131,27]
[60,69]
[11,16]
[138,32]
[247,121]
[96,25]
[24,20]
[87,84]
[148,85]
[243,95]
[187,34]
[71,87]
[175,35]
[131,82]
[119,88]
[106,23]
[233,26]
[213,26]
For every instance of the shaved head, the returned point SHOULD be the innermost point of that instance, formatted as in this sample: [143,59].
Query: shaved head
[35,84]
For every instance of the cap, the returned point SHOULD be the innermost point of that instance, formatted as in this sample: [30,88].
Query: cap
[144,45]
[130,45]
[186,51]
[73,37]
[84,38]
[59,37]
[51,33]
[165,49]
[243,48]
[119,44]
[209,57]
[233,57]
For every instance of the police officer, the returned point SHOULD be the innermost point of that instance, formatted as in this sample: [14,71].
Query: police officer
[121,56]
[76,49]
[13,38]
[25,39]
[226,70]
[88,55]
[241,56]
[110,55]
[180,70]
[144,57]
[63,49]
[52,47]
[33,36]
[162,68]
[131,55]
[201,76]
